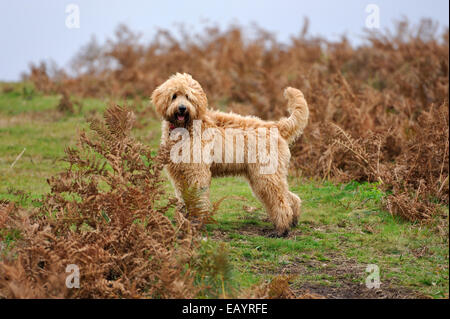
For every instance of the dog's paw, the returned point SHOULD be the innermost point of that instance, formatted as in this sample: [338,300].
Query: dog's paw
[294,222]
[277,234]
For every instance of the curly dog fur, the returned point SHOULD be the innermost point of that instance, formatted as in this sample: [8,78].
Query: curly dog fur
[181,100]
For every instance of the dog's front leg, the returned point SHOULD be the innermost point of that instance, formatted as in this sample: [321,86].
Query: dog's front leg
[177,185]
[191,183]
[196,197]
[199,179]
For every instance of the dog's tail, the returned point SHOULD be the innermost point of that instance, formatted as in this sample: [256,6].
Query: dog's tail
[292,127]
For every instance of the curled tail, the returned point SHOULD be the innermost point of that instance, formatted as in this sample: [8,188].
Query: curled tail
[292,127]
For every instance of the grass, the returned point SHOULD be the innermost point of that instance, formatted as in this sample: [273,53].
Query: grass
[342,229]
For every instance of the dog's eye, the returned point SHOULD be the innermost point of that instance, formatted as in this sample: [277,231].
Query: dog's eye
[174,97]
[187,96]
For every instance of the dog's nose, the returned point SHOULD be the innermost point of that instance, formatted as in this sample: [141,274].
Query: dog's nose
[182,109]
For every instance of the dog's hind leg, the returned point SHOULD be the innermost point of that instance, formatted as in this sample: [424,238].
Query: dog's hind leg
[273,193]
[296,203]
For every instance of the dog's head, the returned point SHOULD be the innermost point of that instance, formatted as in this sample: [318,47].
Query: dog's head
[180,100]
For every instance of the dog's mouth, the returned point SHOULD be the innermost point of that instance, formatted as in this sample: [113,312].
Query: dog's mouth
[181,117]
[180,120]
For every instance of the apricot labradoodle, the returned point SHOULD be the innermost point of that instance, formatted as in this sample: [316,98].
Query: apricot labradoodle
[183,107]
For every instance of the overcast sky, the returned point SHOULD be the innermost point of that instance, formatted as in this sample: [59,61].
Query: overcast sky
[32,30]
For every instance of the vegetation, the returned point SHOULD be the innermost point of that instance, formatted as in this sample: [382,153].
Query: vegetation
[371,169]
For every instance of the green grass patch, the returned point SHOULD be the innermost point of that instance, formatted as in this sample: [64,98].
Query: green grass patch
[342,229]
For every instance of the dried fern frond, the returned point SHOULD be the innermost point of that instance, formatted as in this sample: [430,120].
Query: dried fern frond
[104,214]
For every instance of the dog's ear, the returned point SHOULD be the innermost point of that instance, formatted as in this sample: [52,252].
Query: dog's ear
[198,96]
[160,99]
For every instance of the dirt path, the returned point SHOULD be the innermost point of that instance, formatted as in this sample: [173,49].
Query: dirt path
[346,273]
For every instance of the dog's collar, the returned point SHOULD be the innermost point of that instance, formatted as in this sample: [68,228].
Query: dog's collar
[172,126]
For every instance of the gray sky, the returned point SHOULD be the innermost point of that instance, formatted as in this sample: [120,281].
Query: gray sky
[34,30]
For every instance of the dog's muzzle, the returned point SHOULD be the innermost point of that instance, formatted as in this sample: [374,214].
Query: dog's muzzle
[181,117]
[181,114]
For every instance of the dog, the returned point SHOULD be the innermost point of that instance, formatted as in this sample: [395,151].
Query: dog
[183,107]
